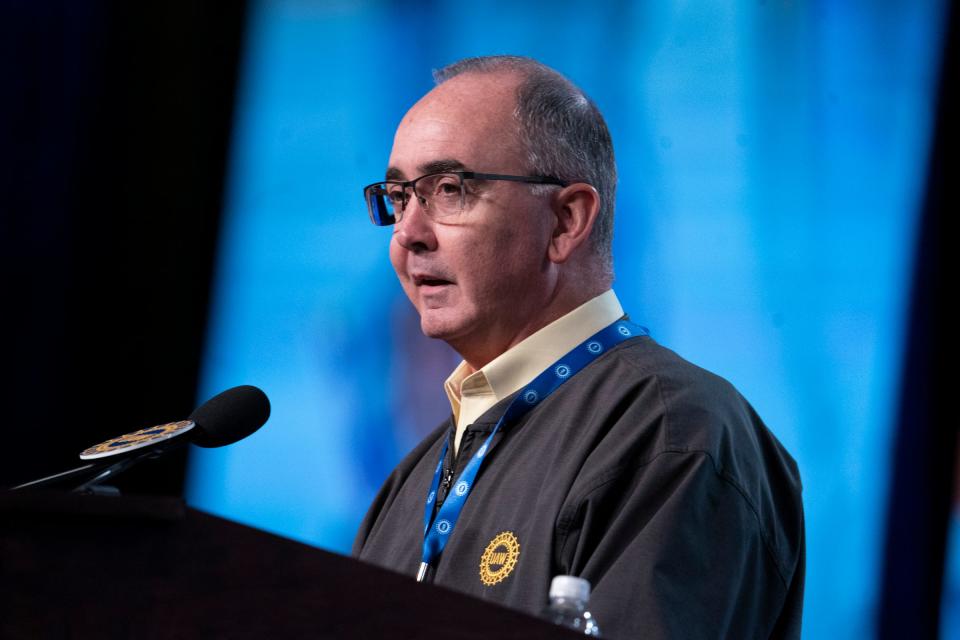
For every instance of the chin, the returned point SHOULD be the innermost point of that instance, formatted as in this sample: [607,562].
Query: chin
[440,326]
[433,329]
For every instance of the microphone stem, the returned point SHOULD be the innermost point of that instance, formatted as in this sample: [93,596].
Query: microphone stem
[112,470]
[122,465]
[42,482]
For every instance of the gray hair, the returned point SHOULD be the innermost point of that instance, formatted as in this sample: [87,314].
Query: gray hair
[563,132]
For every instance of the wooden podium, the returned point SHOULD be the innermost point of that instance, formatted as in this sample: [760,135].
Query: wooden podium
[77,566]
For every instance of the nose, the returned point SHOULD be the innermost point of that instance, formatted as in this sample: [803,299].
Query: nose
[415,232]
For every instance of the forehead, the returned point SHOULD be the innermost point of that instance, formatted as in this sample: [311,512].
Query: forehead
[469,120]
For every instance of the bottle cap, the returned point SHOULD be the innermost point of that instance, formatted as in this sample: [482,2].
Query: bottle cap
[570,587]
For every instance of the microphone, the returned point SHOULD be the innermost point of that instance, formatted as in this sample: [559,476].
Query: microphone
[230,416]
[224,419]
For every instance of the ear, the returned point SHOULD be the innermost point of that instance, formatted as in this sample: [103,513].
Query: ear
[576,207]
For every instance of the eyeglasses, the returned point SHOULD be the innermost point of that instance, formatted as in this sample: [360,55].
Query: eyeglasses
[440,195]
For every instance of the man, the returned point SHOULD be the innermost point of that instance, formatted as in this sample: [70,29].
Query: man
[576,445]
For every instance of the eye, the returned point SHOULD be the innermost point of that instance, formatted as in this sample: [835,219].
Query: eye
[447,186]
[395,194]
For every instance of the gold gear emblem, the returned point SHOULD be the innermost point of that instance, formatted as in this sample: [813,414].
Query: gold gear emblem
[137,439]
[499,558]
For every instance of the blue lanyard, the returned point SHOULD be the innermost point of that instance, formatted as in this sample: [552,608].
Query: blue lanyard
[437,532]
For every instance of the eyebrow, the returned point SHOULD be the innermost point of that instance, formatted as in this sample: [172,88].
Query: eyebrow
[434,166]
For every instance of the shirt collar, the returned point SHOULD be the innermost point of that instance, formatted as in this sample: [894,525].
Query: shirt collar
[520,364]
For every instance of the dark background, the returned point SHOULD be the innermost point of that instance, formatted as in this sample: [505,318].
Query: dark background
[114,130]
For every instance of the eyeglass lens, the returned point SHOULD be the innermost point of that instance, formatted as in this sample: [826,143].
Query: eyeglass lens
[440,195]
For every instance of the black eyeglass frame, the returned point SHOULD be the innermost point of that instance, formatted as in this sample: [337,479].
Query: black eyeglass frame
[380,212]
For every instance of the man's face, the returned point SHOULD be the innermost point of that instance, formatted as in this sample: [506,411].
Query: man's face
[479,279]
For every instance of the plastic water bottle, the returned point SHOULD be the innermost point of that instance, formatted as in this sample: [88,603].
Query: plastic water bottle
[569,596]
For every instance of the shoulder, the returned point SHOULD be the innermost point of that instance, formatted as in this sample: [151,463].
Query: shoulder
[683,385]
[664,414]
[694,409]
[390,490]
[430,444]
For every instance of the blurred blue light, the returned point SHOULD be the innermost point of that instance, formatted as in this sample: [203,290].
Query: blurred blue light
[771,158]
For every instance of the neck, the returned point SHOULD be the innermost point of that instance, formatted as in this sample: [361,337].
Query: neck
[560,302]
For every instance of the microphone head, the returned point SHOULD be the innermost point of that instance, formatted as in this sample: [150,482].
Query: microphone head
[230,416]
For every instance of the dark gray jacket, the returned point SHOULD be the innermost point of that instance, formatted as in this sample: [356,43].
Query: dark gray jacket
[646,475]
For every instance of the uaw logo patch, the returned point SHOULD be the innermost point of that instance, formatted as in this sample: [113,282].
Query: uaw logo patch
[499,558]
[137,439]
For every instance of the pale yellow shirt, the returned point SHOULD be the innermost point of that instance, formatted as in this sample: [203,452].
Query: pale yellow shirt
[472,393]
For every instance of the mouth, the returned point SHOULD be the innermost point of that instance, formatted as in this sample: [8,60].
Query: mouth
[429,280]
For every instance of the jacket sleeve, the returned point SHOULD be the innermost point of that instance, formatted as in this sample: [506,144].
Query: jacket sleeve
[673,549]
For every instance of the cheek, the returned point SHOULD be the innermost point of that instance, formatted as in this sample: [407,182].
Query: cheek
[520,246]
[397,258]
[505,263]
